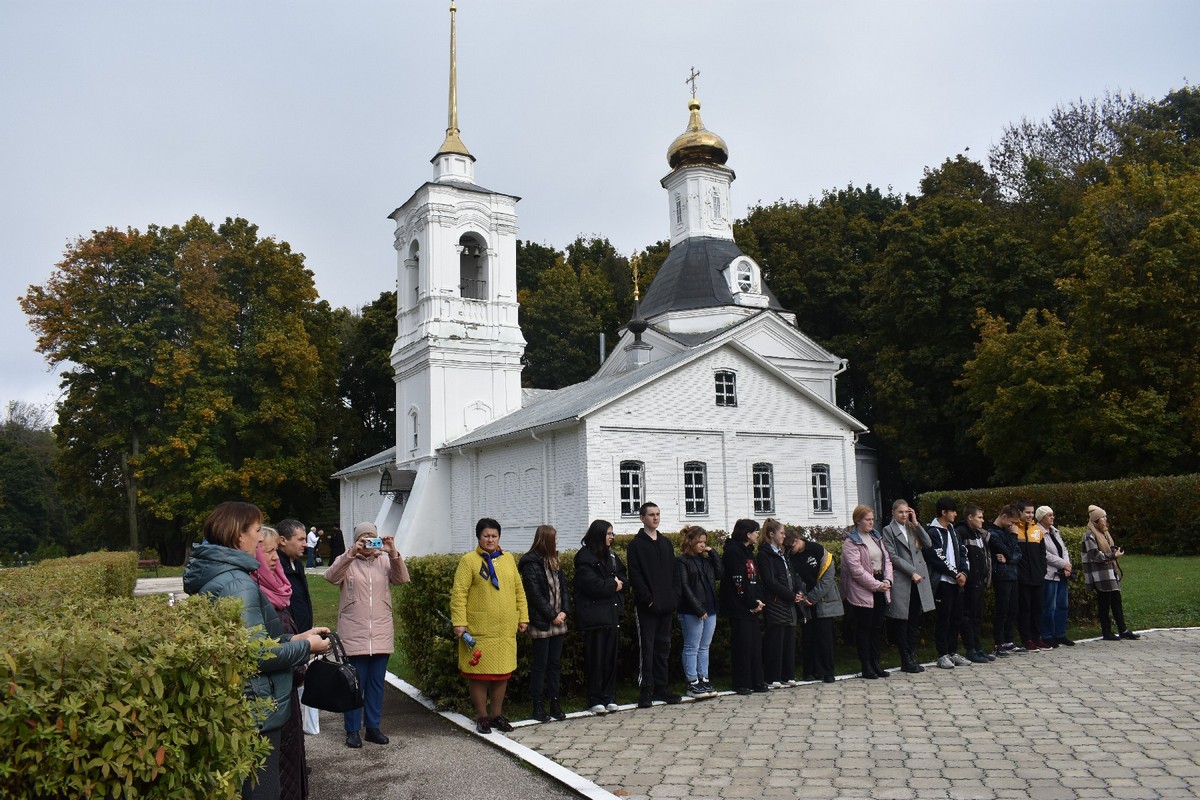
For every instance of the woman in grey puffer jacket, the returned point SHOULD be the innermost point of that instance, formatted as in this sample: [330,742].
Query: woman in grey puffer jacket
[220,566]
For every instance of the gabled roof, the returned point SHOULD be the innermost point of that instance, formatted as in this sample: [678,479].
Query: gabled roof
[380,459]
[693,277]
[573,403]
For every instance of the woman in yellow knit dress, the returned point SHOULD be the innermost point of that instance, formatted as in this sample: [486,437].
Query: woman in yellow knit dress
[488,603]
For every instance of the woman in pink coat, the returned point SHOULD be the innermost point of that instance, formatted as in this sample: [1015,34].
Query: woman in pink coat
[365,575]
[866,588]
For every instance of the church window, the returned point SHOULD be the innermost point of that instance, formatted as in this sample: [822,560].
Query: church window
[764,489]
[473,265]
[695,487]
[745,276]
[820,488]
[716,205]
[678,209]
[415,428]
[726,388]
[633,479]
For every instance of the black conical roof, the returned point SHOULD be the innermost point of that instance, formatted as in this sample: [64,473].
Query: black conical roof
[693,276]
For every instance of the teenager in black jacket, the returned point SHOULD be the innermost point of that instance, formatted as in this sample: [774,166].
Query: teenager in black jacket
[699,570]
[780,595]
[741,603]
[548,600]
[655,597]
[599,604]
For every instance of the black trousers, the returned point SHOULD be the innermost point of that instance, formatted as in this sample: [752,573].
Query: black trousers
[972,617]
[267,776]
[867,624]
[906,633]
[817,647]
[654,638]
[779,653]
[1106,601]
[546,668]
[1029,610]
[745,636]
[1005,613]
[600,664]
[948,598]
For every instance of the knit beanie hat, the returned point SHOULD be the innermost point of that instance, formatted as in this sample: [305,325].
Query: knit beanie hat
[1041,512]
[1095,513]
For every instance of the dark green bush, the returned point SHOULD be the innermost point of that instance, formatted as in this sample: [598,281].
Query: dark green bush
[1154,516]
[125,698]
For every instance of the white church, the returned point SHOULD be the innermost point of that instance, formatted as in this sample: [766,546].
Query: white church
[713,404]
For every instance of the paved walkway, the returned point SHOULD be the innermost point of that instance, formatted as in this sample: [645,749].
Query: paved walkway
[1104,719]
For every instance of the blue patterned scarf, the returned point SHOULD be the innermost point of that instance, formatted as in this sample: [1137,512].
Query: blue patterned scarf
[487,570]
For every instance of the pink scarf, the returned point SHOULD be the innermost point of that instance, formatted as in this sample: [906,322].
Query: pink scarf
[274,583]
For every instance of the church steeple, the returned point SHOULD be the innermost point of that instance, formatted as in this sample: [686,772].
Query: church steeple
[453,160]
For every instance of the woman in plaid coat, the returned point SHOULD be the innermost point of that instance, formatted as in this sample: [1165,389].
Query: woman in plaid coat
[1102,572]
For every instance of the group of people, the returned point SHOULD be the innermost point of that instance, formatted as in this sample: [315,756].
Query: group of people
[909,569]
[767,582]
[264,567]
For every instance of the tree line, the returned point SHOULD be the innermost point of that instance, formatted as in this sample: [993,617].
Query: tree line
[1034,318]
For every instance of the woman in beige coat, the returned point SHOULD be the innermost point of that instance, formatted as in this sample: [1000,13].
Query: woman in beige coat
[487,602]
[365,575]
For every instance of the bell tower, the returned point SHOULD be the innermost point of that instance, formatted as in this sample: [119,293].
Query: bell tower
[458,350]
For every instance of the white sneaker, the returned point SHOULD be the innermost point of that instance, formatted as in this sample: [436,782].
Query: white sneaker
[944,662]
[776,685]
[793,683]
[959,661]
[598,710]
[612,708]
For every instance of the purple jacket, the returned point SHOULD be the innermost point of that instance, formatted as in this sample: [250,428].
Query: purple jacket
[858,581]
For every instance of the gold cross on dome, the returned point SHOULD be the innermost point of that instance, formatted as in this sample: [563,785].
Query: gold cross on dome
[692,80]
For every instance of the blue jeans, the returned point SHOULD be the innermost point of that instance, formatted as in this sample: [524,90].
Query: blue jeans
[371,671]
[697,636]
[312,557]
[1055,600]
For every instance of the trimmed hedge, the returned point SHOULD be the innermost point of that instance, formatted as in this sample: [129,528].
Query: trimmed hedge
[106,695]
[423,634]
[1154,516]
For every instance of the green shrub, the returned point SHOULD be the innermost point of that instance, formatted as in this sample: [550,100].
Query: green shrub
[124,698]
[1147,515]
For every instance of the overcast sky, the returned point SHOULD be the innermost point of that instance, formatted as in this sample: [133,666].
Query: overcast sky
[314,120]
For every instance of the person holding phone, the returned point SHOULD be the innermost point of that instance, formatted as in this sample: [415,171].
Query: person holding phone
[365,574]
[866,588]
[1102,572]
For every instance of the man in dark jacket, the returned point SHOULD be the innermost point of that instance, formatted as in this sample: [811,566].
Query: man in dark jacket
[948,565]
[655,596]
[292,544]
[979,576]
[1031,578]
[1006,555]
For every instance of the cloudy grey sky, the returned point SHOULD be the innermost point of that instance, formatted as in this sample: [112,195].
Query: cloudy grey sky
[315,119]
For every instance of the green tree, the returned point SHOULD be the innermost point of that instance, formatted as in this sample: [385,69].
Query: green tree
[949,251]
[561,328]
[32,514]
[366,381]
[201,371]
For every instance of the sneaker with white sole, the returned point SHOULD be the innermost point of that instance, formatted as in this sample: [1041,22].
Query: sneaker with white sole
[598,710]
[612,708]
[944,662]
[696,689]
[776,685]
[959,661]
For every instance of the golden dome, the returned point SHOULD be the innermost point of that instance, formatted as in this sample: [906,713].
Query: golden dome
[697,145]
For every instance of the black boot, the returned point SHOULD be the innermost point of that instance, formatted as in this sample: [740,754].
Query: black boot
[908,662]
[539,713]
[880,672]
[868,671]
[556,710]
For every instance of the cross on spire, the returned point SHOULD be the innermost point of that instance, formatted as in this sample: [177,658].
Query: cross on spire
[692,80]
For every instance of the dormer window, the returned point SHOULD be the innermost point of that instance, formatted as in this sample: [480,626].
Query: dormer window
[743,276]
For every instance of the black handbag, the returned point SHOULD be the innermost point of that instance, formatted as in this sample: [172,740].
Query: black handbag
[331,682]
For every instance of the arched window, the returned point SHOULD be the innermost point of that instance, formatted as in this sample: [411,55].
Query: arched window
[414,428]
[820,488]
[726,388]
[763,478]
[472,268]
[633,482]
[695,488]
